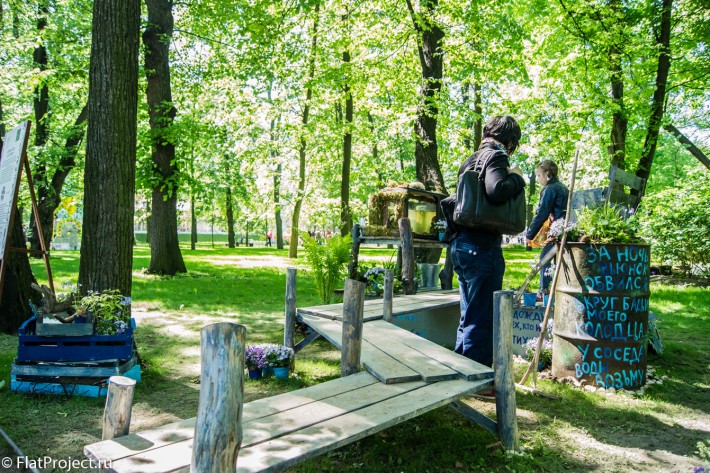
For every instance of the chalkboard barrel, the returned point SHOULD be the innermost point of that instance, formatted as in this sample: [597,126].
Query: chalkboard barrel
[601,315]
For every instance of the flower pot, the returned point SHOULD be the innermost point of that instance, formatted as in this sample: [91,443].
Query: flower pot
[281,372]
[540,366]
[255,373]
[529,299]
[545,298]
[267,371]
[441,236]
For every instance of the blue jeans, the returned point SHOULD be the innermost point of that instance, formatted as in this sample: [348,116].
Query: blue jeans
[480,272]
[546,279]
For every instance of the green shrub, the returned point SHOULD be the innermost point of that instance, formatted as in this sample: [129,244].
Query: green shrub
[677,223]
[327,260]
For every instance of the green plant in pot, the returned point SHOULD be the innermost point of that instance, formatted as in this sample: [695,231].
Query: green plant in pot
[109,309]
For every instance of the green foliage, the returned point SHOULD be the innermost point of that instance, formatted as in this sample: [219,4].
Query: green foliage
[605,224]
[678,223]
[327,260]
[110,310]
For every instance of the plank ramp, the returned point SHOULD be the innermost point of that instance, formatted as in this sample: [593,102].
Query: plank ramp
[400,305]
[394,355]
[284,430]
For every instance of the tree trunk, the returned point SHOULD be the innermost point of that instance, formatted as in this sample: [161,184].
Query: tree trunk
[654,121]
[432,63]
[293,246]
[193,222]
[109,174]
[619,120]
[689,145]
[148,217]
[49,196]
[346,218]
[230,218]
[165,255]
[41,109]
[14,306]
[277,188]
[478,121]
[529,210]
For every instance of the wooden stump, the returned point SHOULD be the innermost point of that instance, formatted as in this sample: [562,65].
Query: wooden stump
[117,411]
[446,276]
[352,267]
[405,231]
[388,295]
[353,308]
[503,369]
[218,427]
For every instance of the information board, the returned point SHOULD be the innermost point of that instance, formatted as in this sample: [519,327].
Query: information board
[10,162]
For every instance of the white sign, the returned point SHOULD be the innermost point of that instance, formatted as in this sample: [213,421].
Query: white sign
[10,162]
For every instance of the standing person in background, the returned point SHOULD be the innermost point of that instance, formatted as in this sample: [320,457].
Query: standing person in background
[552,206]
[269,236]
[477,255]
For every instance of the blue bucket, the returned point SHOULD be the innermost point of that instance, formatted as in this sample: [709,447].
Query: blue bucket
[529,299]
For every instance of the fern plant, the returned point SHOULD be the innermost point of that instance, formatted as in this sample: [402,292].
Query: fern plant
[327,261]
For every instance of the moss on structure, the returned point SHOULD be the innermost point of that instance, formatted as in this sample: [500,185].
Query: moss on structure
[381,221]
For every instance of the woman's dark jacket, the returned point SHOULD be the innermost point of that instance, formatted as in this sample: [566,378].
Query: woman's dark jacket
[553,200]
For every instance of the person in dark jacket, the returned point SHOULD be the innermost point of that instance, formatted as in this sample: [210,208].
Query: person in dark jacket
[477,255]
[552,206]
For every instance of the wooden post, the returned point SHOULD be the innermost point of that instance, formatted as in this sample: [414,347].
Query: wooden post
[218,427]
[352,267]
[503,368]
[290,322]
[446,276]
[353,307]
[405,231]
[388,295]
[117,411]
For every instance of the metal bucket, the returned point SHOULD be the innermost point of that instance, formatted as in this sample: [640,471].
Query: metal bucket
[601,315]
[430,275]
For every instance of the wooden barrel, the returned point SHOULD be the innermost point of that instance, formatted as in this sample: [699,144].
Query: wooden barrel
[601,315]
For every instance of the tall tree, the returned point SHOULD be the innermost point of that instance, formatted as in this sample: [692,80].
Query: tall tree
[165,255]
[346,218]
[431,60]
[295,217]
[109,175]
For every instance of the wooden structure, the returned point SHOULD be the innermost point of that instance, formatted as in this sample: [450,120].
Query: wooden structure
[406,376]
[391,204]
[615,193]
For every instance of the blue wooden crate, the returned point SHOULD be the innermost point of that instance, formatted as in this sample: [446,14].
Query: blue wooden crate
[32,347]
[69,388]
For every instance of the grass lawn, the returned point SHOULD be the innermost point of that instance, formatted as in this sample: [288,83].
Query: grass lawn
[666,429]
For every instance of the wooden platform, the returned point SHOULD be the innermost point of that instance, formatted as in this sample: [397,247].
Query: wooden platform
[401,305]
[406,376]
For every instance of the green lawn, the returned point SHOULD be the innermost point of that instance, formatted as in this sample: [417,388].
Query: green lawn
[584,431]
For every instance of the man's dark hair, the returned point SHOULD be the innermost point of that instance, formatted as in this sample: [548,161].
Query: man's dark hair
[504,129]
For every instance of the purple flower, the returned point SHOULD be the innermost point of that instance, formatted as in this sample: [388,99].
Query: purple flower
[255,357]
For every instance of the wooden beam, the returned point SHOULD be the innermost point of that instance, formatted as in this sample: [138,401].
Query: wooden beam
[290,320]
[503,368]
[387,296]
[473,415]
[405,231]
[353,304]
[218,428]
[313,336]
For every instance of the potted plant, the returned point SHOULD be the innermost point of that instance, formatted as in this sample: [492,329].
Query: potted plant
[545,358]
[601,299]
[255,360]
[439,227]
[279,359]
[109,310]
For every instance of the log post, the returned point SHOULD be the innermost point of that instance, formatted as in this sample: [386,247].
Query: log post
[388,295]
[117,411]
[503,369]
[218,427]
[446,276]
[290,321]
[352,267]
[353,307]
[405,231]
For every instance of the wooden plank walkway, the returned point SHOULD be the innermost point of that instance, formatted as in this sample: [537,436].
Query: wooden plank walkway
[400,305]
[406,376]
[289,428]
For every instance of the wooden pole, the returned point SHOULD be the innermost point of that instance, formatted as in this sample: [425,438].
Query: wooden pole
[290,322]
[405,232]
[117,411]
[446,276]
[503,369]
[218,428]
[353,307]
[388,295]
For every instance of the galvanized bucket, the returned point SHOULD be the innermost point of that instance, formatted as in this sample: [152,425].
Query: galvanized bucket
[601,315]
